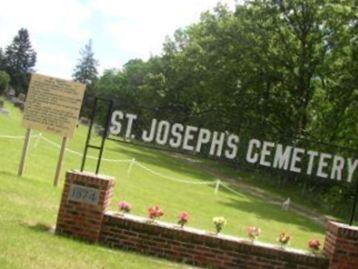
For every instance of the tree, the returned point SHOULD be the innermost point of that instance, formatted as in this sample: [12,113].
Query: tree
[2,60]
[20,58]
[86,69]
[4,81]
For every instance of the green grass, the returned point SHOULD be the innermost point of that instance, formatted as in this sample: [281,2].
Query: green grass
[29,203]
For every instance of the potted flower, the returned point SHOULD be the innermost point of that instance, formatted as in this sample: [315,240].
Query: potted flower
[284,239]
[154,212]
[183,218]
[314,245]
[219,223]
[253,233]
[124,207]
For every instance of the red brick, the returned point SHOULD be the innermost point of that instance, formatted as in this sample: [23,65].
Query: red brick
[82,220]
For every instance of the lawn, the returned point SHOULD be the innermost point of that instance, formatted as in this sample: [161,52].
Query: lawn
[30,203]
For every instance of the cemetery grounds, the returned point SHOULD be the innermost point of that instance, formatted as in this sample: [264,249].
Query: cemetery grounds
[29,205]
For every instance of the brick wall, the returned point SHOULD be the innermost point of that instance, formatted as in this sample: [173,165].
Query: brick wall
[341,246]
[84,214]
[82,208]
[198,247]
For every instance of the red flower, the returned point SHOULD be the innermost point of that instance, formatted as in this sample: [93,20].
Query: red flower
[314,244]
[183,218]
[155,212]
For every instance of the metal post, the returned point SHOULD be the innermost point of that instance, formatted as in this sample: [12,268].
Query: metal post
[89,134]
[354,206]
[105,134]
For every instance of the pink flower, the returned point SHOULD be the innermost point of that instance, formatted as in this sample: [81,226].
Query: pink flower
[183,218]
[155,212]
[124,206]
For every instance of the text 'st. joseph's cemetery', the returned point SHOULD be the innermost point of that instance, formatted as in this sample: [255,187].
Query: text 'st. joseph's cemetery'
[226,145]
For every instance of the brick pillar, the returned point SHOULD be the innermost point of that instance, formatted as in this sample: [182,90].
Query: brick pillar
[85,199]
[341,245]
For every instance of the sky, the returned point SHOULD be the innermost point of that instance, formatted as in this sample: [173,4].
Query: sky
[120,30]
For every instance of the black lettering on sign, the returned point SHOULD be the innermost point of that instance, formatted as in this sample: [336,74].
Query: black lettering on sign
[83,194]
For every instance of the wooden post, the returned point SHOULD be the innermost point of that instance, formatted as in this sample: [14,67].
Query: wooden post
[24,152]
[60,161]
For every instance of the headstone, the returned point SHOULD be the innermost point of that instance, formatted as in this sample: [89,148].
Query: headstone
[84,121]
[4,112]
[11,93]
[21,97]
[1,104]
[13,99]
[20,104]
[99,129]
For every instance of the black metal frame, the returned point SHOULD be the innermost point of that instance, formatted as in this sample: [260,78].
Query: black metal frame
[354,206]
[104,135]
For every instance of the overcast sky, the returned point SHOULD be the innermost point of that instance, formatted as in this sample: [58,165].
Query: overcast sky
[120,29]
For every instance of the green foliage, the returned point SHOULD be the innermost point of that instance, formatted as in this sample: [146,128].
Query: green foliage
[240,70]
[4,81]
[86,69]
[20,58]
[276,70]
[2,60]
[86,73]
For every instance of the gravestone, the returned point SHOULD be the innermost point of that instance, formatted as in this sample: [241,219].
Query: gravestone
[13,99]
[19,104]
[4,112]
[10,93]
[21,97]
[1,104]
[84,121]
[99,129]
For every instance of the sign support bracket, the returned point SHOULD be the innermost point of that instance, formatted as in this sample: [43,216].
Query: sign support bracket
[354,205]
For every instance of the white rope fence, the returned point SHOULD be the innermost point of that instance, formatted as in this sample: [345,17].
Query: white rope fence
[172,179]
[132,162]
[80,154]
[16,136]
[230,189]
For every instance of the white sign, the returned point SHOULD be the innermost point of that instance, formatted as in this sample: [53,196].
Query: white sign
[226,145]
[83,194]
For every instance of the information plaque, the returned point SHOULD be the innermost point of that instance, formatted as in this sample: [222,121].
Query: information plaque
[53,105]
[83,194]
